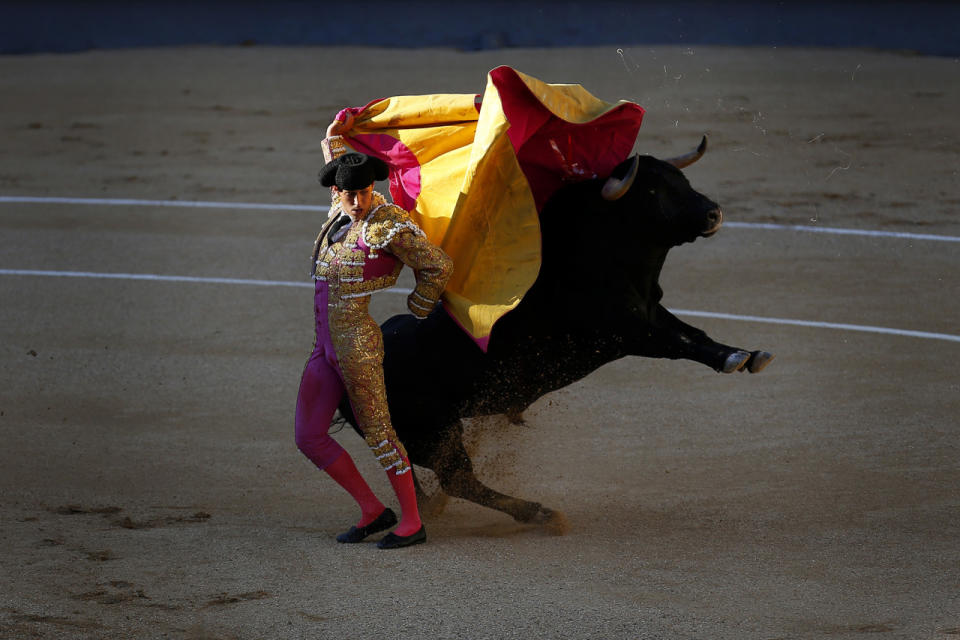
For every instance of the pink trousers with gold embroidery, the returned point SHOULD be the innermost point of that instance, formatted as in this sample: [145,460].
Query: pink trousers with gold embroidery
[355,365]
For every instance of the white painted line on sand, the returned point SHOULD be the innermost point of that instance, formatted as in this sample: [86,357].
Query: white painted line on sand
[840,232]
[282,283]
[769,226]
[819,325]
[152,276]
[164,203]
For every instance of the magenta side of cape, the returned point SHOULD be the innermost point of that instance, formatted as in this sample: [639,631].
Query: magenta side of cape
[552,151]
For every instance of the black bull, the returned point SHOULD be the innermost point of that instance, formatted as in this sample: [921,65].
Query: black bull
[596,299]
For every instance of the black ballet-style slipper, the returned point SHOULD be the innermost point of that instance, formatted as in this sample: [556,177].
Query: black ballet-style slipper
[393,541]
[356,534]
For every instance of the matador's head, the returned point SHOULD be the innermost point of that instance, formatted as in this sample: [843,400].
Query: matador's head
[353,175]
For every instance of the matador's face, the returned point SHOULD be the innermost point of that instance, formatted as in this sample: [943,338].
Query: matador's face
[356,202]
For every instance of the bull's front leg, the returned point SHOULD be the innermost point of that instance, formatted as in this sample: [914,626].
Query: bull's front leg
[666,336]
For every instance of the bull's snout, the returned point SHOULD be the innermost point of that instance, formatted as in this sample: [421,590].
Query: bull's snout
[713,222]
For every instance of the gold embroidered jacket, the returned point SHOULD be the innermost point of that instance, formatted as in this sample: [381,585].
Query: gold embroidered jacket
[372,253]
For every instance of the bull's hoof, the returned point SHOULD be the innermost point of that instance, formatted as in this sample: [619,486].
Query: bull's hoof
[736,361]
[431,506]
[515,416]
[758,361]
[553,522]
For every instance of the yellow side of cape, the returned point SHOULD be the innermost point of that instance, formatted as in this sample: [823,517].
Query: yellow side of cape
[474,200]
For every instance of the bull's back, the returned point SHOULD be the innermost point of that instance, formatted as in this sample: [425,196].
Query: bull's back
[429,367]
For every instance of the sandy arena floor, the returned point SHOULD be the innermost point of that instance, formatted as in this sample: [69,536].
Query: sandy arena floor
[151,486]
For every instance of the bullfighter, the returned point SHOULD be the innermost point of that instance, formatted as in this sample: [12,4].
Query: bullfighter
[361,250]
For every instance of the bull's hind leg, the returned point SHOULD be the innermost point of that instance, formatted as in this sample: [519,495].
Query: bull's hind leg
[431,505]
[454,470]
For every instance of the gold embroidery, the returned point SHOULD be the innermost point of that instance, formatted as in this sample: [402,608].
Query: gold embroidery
[384,223]
[431,266]
[333,147]
[343,261]
[358,343]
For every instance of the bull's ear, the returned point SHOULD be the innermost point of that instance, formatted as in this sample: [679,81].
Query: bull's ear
[615,187]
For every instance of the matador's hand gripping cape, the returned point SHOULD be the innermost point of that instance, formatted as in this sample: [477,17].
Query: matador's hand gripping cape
[474,174]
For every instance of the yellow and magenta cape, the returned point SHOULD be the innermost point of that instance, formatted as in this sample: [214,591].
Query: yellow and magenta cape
[475,172]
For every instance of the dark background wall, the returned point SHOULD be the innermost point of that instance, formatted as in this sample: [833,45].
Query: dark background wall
[43,26]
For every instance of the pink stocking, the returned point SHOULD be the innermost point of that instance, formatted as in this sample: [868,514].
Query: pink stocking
[345,472]
[407,495]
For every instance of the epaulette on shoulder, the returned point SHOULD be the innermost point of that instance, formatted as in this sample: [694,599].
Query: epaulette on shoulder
[385,222]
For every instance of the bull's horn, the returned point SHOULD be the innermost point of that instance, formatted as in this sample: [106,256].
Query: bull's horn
[614,188]
[689,158]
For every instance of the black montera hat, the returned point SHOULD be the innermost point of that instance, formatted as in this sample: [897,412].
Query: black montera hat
[353,171]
